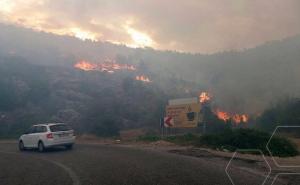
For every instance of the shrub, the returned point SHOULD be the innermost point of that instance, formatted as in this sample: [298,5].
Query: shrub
[148,138]
[282,147]
[249,139]
[187,139]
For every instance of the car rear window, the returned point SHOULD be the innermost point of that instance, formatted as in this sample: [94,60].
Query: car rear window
[58,128]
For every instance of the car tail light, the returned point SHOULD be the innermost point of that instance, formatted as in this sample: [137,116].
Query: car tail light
[50,136]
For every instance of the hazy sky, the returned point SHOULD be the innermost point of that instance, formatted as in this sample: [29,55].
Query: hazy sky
[203,26]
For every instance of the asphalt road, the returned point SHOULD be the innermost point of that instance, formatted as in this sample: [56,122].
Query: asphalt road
[113,165]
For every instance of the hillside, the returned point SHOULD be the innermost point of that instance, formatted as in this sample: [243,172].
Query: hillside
[39,82]
[245,81]
[93,102]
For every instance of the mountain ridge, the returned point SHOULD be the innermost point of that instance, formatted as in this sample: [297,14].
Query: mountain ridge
[240,81]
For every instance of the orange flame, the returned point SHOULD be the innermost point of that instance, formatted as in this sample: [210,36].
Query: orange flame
[225,116]
[222,115]
[86,66]
[109,66]
[143,78]
[204,97]
[236,118]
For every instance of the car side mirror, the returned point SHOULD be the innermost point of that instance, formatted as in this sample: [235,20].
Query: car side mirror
[26,132]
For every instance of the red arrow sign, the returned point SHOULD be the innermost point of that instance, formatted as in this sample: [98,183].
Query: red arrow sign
[168,121]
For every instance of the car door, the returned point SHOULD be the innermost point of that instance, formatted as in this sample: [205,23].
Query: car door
[27,137]
[35,136]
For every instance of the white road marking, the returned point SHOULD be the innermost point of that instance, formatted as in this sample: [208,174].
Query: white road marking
[69,171]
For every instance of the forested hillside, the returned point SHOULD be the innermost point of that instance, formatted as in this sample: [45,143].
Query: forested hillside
[38,81]
[241,81]
[94,102]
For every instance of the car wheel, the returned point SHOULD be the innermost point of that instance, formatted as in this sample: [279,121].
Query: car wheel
[41,147]
[69,147]
[21,146]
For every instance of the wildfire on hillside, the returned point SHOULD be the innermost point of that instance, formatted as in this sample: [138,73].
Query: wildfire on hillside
[85,65]
[205,97]
[143,78]
[109,66]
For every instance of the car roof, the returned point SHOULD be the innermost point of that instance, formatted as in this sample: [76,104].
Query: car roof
[49,124]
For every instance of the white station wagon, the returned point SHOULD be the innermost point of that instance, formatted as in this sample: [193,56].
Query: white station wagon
[48,135]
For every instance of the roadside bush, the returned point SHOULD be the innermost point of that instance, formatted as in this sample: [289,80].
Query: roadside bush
[282,147]
[249,139]
[187,139]
[148,138]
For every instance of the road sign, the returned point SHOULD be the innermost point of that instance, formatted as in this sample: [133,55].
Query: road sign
[168,121]
[185,116]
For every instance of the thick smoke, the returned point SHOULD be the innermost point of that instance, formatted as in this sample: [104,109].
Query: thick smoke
[204,26]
